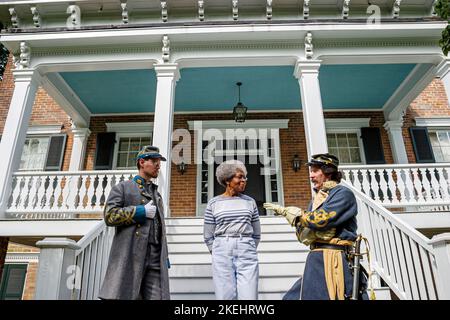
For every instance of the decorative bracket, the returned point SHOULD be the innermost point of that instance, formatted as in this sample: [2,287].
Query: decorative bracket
[123,4]
[164,15]
[396,9]
[24,56]
[306,9]
[201,10]
[269,10]
[165,49]
[345,9]
[14,18]
[36,16]
[235,9]
[309,46]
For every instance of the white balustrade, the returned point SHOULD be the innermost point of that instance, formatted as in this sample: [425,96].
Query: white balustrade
[61,195]
[413,266]
[403,185]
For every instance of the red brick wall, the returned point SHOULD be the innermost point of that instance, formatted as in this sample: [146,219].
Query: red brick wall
[45,111]
[432,102]
[295,184]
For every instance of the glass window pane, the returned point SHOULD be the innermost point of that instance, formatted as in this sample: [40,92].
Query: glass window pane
[352,140]
[334,151]
[446,154]
[443,138]
[124,144]
[344,156]
[331,139]
[145,142]
[355,155]
[34,153]
[342,140]
[135,144]
[122,160]
[433,139]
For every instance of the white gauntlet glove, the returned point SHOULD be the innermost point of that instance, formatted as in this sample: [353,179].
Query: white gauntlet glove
[150,210]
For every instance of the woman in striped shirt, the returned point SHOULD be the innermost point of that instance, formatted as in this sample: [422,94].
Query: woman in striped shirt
[232,232]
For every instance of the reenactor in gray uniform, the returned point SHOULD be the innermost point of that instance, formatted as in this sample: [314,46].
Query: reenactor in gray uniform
[138,262]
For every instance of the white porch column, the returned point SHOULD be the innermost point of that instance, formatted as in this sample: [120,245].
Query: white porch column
[443,72]
[167,76]
[26,82]
[394,129]
[307,73]
[80,138]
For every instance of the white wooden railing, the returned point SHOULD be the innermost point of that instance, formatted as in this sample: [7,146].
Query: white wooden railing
[413,266]
[70,270]
[403,185]
[60,195]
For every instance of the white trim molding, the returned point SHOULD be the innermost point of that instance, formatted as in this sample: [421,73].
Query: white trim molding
[432,122]
[346,123]
[130,127]
[22,257]
[44,130]
[230,124]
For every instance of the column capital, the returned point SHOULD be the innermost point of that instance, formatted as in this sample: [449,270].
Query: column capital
[306,66]
[57,243]
[393,125]
[167,70]
[443,68]
[27,75]
[81,132]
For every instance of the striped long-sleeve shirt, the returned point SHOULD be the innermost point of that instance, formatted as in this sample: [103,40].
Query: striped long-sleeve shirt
[231,216]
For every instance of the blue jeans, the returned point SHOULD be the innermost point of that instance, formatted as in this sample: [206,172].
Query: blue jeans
[235,268]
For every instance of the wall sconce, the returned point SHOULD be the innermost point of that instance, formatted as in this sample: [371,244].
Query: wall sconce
[296,163]
[182,167]
[239,111]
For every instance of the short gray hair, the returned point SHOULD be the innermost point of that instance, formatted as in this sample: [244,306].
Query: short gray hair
[227,169]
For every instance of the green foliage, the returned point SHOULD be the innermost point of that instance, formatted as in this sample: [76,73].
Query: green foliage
[442,8]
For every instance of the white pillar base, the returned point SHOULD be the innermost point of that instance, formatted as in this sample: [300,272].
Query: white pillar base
[80,138]
[394,129]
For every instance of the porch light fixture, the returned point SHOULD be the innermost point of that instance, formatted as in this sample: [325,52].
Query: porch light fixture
[296,163]
[182,167]
[239,111]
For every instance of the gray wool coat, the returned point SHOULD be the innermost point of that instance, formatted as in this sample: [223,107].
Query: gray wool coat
[126,264]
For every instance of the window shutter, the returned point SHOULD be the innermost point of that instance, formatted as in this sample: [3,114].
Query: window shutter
[373,147]
[421,144]
[104,152]
[55,153]
[13,281]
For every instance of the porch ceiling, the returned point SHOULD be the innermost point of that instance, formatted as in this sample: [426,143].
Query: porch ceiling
[366,86]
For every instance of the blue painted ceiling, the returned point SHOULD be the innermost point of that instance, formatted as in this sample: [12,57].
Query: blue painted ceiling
[214,89]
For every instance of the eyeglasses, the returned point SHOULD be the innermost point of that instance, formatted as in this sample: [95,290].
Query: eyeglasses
[241,178]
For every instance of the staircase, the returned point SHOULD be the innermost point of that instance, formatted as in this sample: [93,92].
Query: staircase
[281,259]
[413,266]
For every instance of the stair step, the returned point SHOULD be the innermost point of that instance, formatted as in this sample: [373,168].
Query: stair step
[281,246]
[198,238]
[263,257]
[198,229]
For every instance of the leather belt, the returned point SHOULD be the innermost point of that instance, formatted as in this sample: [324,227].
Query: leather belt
[318,245]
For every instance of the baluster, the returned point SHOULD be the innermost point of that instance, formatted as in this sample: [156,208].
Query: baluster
[435,187]
[19,198]
[429,276]
[53,192]
[402,263]
[374,185]
[427,192]
[37,193]
[392,185]
[15,193]
[383,185]
[93,199]
[387,250]
[365,176]
[418,271]
[418,185]
[90,188]
[26,198]
[414,290]
[81,190]
[46,194]
[356,182]
[395,251]
[409,185]
[66,191]
[443,186]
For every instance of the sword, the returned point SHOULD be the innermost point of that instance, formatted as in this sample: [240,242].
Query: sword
[356,268]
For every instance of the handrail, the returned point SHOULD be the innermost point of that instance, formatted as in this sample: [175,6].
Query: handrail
[400,255]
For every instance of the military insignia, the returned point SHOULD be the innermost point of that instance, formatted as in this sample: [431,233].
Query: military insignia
[320,217]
